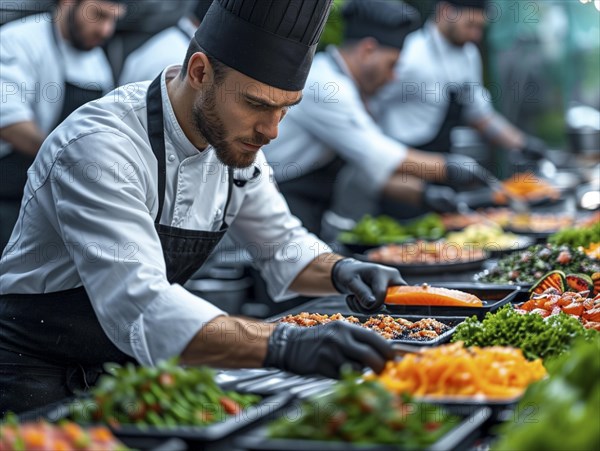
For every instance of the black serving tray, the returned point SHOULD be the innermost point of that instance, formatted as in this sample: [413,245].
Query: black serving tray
[492,296]
[461,437]
[432,268]
[451,321]
[158,435]
[480,275]
[467,406]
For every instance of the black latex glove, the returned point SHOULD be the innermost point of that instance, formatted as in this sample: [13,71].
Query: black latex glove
[534,148]
[463,171]
[441,199]
[326,349]
[365,283]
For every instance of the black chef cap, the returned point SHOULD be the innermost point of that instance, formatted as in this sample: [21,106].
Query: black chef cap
[201,8]
[272,41]
[476,4]
[387,21]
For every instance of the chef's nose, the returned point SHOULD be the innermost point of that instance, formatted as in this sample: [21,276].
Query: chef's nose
[269,124]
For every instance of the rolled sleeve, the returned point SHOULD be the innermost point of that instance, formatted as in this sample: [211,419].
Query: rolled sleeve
[168,324]
[111,237]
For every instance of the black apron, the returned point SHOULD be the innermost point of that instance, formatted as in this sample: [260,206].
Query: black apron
[441,142]
[14,166]
[52,344]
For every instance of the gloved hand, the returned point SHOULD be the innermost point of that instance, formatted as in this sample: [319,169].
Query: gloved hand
[534,148]
[462,171]
[365,283]
[326,349]
[441,199]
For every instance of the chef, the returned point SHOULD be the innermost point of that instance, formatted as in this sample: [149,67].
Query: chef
[333,125]
[166,48]
[439,86]
[50,64]
[129,196]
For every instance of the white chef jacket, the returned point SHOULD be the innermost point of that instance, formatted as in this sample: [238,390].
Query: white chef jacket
[165,49]
[33,72]
[412,108]
[87,218]
[331,121]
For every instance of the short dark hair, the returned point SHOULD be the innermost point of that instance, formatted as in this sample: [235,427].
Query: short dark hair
[219,69]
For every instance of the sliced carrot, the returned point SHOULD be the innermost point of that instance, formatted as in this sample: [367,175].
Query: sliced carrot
[575,308]
[427,295]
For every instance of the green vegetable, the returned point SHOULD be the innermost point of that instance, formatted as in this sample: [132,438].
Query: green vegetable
[530,265]
[534,335]
[365,412]
[560,412]
[384,230]
[164,396]
[576,237]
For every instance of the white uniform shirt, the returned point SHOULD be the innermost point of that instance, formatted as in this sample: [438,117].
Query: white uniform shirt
[332,120]
[165,49]
[88,212]
[412,108]
[33,73]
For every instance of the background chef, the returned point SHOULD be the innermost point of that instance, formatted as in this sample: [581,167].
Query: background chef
[439,86]
[51,64]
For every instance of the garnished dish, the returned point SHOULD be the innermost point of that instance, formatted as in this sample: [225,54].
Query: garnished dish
[425,253]
[66,436]
[528,266]
[387,326]
[577,295]
[526,186]
[365,412]
[166,395]
[486,236]
[586,239]
[458,221]
[536,336]
[427,295]
[384,230]
[447,371]
[540,222]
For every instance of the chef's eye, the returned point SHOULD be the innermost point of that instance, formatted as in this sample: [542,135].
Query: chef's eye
[257,106]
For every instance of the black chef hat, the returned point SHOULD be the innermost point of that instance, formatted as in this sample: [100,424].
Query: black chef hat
[201,7]
[387,21]
[272,41]
[476,4]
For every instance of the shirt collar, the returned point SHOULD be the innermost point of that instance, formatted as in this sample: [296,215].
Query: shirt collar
[172,128]
[336,56]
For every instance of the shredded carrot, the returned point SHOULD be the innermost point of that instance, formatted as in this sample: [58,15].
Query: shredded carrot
[452,370]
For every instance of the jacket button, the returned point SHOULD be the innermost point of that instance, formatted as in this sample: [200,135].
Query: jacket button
[171,158]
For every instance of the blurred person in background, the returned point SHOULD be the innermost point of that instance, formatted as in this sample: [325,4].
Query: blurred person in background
[166,48]
[50,64]
[333,124]
[439,86]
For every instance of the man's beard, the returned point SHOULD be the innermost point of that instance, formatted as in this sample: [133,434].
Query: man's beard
[76,38]
[212,128]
